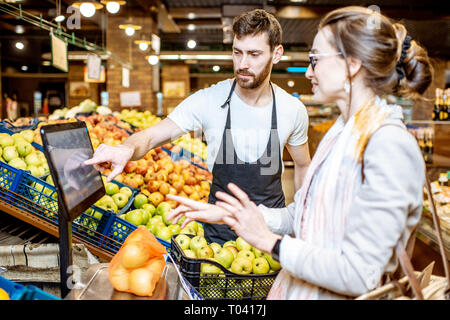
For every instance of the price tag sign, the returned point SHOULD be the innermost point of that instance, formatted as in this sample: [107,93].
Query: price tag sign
[93,67]
[130,99]
[59,51]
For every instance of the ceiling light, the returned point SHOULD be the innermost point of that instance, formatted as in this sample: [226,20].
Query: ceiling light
[60,18]
[143,46]
[191,15]
[153,60]
[20,45]
[129,28]
[46,63]
[24,68]
[113,6]
[19,29]
[191,44]
[298,1]
[129,31]
[191,27]
[216,68]
[290,83]
[88,7]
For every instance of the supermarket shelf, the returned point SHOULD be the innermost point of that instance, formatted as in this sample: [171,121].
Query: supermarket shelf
[50,228]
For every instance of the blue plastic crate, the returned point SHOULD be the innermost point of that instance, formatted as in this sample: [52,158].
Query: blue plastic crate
[9,176]
[17,291]
[6,125]
[14,290]
[118,231]
[90,225]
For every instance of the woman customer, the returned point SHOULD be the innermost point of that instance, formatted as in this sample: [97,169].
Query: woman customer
[362,193]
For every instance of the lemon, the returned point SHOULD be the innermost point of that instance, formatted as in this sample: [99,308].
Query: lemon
[3,295]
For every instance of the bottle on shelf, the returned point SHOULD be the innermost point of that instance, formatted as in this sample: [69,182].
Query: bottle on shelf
[447,103]
[436,110]
[421,142]
[444,107]
[429,138]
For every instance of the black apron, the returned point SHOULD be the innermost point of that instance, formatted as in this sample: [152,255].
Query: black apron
[261,180]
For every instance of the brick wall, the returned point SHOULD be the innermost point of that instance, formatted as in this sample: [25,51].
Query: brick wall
[124,47]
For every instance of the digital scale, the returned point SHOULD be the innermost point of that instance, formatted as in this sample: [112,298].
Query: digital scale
[66,146]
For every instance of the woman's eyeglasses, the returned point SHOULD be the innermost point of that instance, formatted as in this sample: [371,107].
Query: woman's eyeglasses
[313,56]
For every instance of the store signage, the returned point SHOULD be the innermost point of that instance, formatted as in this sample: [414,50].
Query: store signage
[125,77]
[59,53]
[102,75]
[130,99]
[94,63]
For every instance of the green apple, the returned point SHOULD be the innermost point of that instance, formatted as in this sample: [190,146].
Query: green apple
[193,225]
[163,207]
[153,227]
[241,244]
[183,241]
[35,171]
[197,242]
[224,256]
[150,208]
[215,246]
[45,168]
[123,216]
[126,191]
[107,203]
[205,252]
[163,232]
[229,243]
[187,230]
[156,219]
[6,140]
[24,148]
[200,231]
[17,137]
[28,135]
[233,250]
[140,200]
[189,253]
[241,266]
[9,153]
[111,188]
[18,163]
[260,266]
[274,265]
[209,268]
[165,216]
[134,217]
[174,229]
[33,160]
[258,253]
[246,254]
[145,216]
[120,199]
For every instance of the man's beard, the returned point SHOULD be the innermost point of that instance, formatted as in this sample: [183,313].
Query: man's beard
[256,80]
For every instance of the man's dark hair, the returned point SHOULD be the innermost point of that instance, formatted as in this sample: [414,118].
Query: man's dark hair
[258,21]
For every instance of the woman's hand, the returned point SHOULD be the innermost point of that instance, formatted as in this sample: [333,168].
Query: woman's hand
[245,219]
[196,210]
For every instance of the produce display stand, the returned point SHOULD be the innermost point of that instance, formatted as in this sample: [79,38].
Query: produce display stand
[427,234]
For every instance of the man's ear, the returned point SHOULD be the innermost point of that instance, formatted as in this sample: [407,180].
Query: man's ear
[277,54]
[354,66]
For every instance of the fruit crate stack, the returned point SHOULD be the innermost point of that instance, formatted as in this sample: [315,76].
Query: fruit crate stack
[224,272]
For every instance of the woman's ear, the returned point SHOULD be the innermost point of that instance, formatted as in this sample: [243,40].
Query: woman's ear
[354,66]
[277,54]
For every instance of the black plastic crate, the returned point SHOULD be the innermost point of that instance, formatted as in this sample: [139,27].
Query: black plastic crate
[218,286]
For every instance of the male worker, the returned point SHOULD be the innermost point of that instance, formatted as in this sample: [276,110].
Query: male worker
[247,122]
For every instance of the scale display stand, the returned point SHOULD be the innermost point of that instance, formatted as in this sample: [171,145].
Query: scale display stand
[66,146]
